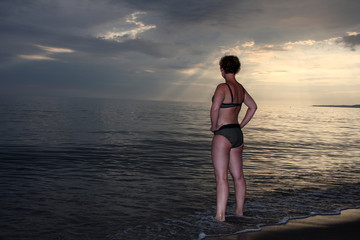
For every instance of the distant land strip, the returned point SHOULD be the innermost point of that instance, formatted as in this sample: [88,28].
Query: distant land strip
[341,106]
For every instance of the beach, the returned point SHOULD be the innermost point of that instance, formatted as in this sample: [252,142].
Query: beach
[344,226]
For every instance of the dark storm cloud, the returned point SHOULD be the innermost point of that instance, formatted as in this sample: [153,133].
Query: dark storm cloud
[154,40]
[351,41]
[186,11]
[68,24]
[61,29]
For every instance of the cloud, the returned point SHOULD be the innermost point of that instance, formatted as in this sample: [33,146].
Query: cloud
[251,47]
[351,41]
[45,56]
[248,44]
[140,48]
[120,35]
[35,57]
[54,49]
[301,60]
[183,11]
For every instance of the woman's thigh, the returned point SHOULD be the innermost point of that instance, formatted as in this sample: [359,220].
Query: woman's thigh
[236,163]
[220,154]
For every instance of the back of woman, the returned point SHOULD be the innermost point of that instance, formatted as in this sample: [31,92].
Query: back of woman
[228,141]
[234,93]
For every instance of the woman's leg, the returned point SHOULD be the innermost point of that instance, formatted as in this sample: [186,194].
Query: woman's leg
[236,170]
[220,153]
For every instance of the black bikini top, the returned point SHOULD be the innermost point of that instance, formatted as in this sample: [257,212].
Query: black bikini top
[232,104]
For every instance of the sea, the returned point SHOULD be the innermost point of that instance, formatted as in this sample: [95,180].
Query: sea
[79,168]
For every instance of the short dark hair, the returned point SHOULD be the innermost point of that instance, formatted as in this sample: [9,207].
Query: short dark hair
[230,64]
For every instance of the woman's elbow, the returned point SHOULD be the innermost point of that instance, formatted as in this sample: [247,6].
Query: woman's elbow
[214,109]
[253,107]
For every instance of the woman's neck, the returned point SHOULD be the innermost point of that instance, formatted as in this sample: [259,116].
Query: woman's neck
[230,77]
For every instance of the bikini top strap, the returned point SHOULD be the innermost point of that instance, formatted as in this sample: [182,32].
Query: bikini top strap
[243,92]
[232,97]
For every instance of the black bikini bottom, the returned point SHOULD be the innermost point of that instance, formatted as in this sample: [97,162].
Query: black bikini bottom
[233,133]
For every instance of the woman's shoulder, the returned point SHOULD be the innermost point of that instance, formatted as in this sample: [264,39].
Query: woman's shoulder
[221,88]
[221,85]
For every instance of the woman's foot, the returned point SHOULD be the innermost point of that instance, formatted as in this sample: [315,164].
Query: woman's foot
[239,213]
[220,218]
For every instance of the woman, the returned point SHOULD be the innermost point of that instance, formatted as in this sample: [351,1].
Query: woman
[227,144]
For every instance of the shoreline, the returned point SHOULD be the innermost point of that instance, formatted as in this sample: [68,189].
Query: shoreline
[318,227]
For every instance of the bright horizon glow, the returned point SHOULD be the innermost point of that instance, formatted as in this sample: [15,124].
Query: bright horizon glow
[309,71]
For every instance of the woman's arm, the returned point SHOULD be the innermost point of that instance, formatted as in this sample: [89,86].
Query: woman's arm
[250,103]
[218,98]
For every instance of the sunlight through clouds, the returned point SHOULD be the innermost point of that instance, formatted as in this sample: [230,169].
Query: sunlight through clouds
[306,65]
[120,34]
[194,70]
[298,59]
[295,71]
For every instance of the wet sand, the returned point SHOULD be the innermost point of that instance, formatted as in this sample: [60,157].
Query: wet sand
[345,226]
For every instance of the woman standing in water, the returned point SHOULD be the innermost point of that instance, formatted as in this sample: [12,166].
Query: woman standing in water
[227,144]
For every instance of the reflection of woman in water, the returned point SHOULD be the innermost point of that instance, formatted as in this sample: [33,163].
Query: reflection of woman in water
[227,144]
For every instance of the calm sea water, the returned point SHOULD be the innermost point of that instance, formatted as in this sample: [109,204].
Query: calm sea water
[114,169]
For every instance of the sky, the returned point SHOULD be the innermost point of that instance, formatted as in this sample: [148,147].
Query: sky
[305,52]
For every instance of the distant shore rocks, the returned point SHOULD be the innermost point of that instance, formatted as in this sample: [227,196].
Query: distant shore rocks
[342,106]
